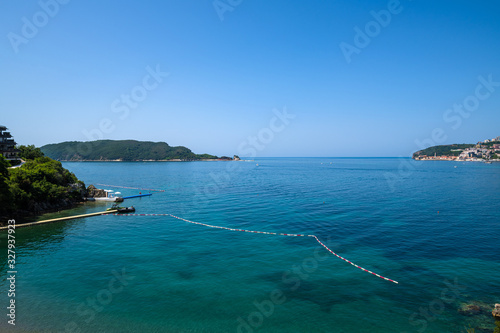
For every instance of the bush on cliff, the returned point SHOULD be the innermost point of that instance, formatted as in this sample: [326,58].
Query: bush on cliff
[29,152]
[40,184]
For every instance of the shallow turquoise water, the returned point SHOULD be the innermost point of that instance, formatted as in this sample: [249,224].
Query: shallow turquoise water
[430,226]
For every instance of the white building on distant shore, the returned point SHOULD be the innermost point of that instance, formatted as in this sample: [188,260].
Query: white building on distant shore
[492,140]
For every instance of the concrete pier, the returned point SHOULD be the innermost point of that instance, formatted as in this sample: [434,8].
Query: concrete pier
[61,219]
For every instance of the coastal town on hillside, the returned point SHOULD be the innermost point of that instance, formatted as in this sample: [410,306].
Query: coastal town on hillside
[484,151]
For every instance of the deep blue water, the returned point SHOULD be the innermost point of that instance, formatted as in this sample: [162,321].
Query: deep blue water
[432,226]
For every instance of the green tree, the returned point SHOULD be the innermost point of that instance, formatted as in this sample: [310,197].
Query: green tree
[5,194]
[39,184]
[29,152]
[40,181]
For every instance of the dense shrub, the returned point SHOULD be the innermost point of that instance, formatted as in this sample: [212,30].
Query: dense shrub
[40,183]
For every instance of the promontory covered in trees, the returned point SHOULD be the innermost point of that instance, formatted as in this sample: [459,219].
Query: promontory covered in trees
[487,150]
[122,150]
[39,184]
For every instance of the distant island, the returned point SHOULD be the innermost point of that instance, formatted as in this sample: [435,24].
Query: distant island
[483,151]
[123,150]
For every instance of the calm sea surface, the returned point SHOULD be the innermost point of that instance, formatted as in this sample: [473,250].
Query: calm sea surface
[432,226]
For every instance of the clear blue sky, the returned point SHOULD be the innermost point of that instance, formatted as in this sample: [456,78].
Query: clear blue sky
[225,77]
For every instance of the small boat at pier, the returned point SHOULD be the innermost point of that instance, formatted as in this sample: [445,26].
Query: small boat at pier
[119,209]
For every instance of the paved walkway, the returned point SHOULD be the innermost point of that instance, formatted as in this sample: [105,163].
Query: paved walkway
[61,219]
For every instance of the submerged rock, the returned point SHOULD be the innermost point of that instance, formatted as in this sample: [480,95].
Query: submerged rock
[478,317]
[473,308]
[469,310]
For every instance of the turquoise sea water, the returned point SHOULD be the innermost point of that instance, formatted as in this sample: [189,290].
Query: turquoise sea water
[432,226]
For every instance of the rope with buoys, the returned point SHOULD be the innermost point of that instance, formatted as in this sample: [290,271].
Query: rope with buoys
[267,233]
[132,188]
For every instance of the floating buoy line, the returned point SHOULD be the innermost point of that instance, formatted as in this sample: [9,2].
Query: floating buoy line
[267,233]
[132,188]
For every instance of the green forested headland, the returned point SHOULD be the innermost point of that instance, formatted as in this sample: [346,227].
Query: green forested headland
[124,150]
[39,185]
[449,150]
